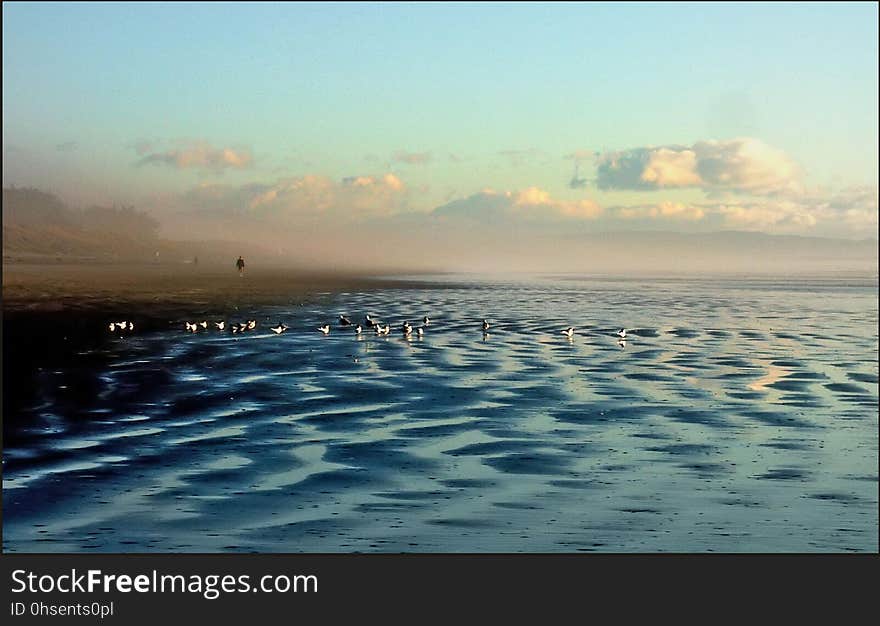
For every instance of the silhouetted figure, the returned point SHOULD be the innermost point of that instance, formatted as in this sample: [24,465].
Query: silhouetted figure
[240,265]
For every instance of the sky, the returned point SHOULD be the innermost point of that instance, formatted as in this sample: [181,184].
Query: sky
[534,117]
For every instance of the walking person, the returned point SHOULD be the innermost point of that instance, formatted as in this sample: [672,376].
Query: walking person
[240,265]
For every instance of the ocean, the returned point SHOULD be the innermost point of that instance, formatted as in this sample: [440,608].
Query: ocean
[740,415]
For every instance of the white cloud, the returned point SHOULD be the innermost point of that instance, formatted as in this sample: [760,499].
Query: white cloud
[303,196]
[663,210]
[531,203]
[849,212]
[197,155]
[671,168]
[746,165]
[742,165]
[767,216]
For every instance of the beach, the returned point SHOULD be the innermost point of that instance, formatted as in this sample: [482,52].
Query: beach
[56,313]
[739,416]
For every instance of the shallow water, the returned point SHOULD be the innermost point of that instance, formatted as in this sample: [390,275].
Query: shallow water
[740,416]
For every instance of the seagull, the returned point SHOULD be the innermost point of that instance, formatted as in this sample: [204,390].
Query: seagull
[279,329]
[203,324]
[485,325]
[426,321]
[568,332]
[622,333]
[220,325]
[192,327]
[358,329]
[325,329]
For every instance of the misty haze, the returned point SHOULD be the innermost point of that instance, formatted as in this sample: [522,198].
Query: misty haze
[382,277]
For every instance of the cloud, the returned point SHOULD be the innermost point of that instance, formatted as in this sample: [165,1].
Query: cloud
[663,210]
[851,211]
[290,199]
[671,168]
[412,158]
[847,212]
[857,207]
[197,155]
[742,165]
[529,204]
[764,216]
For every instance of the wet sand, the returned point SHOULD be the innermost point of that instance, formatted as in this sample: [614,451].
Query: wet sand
[55,314]
[155,289]
[740,416]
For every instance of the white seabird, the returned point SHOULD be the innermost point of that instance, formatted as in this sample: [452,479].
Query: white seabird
[252,324]
[325,329]
[568,332]
[358,329]
[192,327]
[279,329]
[344,321]
[420,331]
[220,325]
[406,328]
[622,333]
[485,325]
[426,321]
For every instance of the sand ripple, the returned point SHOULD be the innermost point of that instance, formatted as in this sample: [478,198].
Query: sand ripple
[732,420]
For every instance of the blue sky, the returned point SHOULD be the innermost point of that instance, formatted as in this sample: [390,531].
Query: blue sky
[143,103]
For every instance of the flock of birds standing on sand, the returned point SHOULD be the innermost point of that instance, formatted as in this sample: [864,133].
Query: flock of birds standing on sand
[344,322]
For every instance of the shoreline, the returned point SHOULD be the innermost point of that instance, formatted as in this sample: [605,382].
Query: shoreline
[54,317]
[153,289]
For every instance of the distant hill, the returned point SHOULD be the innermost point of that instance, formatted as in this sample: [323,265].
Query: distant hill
[37,226]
